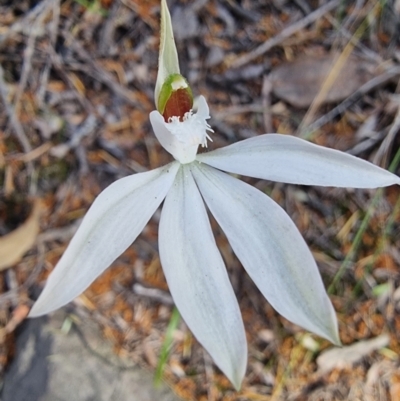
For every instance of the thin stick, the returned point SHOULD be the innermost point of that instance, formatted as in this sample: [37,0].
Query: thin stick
[363,227]
[286,33]
[384,150]
[18,130]
[337,67]
[266,104]
[21,24]
[53,37]
[28,54]
[339,109]
[99,73]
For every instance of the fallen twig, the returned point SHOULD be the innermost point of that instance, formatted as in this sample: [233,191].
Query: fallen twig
[386,145]
[339,109]
[99,73]
[57,63]
[154,293]
[28,54]
[18,130]
[53,37]
[24,22]
[287,32]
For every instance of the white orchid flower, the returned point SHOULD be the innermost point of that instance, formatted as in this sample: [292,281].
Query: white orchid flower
[261,234]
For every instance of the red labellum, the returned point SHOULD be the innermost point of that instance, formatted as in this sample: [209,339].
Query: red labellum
[179,103]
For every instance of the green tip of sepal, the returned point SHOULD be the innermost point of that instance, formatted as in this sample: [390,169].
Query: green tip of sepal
[168,63]
[175,97]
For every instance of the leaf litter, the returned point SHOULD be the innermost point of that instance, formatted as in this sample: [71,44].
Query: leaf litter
[82,121]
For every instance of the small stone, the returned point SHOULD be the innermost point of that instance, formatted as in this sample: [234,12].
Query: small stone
[51,365]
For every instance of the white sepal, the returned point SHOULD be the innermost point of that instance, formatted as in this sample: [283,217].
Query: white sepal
[288,159]
[271,249]
[197,277]
[113,222]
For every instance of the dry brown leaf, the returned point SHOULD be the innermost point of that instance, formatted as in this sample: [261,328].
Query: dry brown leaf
[14,245]
[300,81]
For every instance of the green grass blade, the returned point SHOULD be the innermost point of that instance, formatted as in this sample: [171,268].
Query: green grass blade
[166,346]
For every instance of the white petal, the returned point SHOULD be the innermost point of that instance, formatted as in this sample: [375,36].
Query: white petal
[182,138]
[113,222]
[285,158]
[198,280]
[271,250]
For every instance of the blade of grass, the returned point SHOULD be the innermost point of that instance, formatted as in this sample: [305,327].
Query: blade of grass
[95,7]
[166,346]
[380,248]
[363,227]
[334,72]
